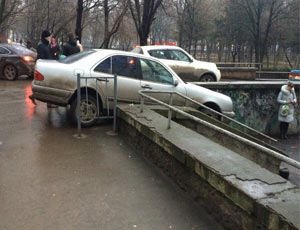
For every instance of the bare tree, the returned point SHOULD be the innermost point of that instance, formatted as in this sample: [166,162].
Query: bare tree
[143,13]
[120,9]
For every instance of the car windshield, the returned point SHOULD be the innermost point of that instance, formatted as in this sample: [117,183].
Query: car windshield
[76,57]
[21,50]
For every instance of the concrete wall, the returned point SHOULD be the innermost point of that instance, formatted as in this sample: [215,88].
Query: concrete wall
[240,73]
[255,104]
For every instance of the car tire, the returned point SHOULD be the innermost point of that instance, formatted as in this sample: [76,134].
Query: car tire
[210,113]
[89,110]
[207,78]
[284,172]
[10,72]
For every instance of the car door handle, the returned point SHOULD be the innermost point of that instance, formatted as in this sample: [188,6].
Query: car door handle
[146,87]
[102,79]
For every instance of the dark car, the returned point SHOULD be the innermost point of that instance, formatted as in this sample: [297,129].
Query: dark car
[16,60]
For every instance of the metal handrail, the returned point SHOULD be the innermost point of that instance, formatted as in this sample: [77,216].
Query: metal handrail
[273,153]
[212,110]
[79,100]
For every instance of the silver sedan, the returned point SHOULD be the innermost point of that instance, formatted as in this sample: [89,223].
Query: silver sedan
[55,82]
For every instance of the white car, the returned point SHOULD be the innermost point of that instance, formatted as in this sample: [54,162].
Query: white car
[56,82]
[188,68]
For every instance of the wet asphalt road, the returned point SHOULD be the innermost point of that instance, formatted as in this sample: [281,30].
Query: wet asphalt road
[51,180]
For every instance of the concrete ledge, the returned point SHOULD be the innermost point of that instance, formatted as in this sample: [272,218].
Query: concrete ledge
[240,193]
[240,73]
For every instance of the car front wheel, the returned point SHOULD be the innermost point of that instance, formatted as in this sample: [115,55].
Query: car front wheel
[211,113]
[207,77]
[88,110]
[10,72]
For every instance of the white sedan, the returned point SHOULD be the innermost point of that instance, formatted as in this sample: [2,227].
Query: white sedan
[188,68]
[56,82]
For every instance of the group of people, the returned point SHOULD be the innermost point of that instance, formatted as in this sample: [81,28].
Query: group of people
[47,48]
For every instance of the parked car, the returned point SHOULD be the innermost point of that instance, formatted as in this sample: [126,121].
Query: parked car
[188,68]
[294,75]
[16,60]
[56,82]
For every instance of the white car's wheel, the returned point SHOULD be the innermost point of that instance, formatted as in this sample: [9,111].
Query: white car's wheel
[10,72]
[207,77]
[88,110]
[211,113]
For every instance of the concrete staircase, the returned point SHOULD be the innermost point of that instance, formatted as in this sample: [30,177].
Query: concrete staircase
[239,185]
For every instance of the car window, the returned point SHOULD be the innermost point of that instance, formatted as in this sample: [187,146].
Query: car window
[153,71]
[76,57]
[126,66]
[104,67]
[3,51]
[178,55]
[161,54]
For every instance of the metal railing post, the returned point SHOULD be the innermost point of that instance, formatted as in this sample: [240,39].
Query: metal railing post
[78,106]
[115,102]
[170,111]
[142,104]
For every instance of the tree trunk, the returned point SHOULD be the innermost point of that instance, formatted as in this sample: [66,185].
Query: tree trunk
[106,25]
[2,9]
[78,29]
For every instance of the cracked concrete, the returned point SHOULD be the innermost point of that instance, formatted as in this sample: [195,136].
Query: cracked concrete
[259,189]
[245,183]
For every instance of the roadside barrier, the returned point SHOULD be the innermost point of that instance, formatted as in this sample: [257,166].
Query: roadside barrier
[85,87]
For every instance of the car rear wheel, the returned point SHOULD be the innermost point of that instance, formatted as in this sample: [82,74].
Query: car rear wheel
[10,72]
[207,77]
[88,110]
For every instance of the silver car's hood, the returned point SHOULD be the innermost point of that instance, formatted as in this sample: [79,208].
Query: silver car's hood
[205,95]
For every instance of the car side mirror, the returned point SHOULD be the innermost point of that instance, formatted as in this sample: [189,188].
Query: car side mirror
[175,82]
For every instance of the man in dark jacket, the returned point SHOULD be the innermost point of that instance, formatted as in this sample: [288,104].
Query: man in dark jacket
[71,46]
[43,50]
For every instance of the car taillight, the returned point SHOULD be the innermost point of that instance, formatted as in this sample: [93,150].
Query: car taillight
[38,76]
[28,58]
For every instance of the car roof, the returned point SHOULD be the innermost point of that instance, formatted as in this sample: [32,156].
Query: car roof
[107,52]
[159,47]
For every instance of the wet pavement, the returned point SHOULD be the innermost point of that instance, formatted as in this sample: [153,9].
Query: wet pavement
[292,147]
[49,179]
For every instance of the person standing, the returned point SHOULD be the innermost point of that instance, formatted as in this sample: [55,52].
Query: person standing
[54,49]
[43,52]
[287,100]
[71,46]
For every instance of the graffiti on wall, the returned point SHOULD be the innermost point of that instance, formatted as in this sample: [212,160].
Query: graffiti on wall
[258,108]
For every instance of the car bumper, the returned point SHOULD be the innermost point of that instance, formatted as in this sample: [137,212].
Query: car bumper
[25,68]
[218,74]
[229,114]
[51,95]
